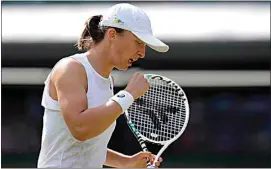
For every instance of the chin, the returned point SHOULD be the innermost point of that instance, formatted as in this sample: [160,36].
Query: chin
[122,68]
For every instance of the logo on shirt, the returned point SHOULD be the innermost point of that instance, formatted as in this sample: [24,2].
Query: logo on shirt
[120,95]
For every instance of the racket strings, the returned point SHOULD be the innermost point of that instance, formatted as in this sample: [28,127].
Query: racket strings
[160,114]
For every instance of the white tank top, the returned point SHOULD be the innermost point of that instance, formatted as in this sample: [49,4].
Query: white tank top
[59,148]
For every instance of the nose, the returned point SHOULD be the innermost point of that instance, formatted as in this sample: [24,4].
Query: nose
[142,51]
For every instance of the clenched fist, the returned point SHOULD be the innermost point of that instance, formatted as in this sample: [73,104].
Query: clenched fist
[138,85]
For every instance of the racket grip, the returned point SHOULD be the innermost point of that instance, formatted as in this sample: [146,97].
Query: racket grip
[149,164]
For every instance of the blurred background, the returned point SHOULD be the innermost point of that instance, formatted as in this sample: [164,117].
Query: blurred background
[219,53]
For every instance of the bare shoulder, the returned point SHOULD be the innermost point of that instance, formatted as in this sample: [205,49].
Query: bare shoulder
[68,66]
[69,70]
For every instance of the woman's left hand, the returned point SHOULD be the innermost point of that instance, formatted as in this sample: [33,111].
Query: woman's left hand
[139,160]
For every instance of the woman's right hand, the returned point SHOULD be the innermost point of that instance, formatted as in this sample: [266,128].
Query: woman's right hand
[138,85]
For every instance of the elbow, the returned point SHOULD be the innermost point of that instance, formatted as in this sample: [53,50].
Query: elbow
[79,133]
[82,134]
[80,138]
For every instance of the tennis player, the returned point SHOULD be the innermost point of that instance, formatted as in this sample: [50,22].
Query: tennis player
[80,107]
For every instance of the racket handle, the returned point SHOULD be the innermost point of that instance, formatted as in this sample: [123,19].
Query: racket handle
[151,166]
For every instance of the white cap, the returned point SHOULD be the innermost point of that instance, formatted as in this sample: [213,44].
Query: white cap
[135,20]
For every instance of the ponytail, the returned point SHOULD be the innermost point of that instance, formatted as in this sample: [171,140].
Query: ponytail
[93,33]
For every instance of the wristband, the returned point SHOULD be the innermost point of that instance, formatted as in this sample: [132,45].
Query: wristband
[124,99]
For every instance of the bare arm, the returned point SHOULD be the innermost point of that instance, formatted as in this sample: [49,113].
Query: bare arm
[69,79]
[139,160]
[116,159]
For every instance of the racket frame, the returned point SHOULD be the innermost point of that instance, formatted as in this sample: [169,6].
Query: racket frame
[142,139]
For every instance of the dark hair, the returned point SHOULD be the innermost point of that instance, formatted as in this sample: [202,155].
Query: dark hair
[93,33]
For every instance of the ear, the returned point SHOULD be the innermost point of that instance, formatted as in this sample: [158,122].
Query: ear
[112,33]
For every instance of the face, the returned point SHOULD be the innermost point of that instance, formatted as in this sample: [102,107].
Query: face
[125,48]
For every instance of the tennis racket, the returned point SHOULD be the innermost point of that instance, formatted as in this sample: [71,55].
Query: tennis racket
[160,116]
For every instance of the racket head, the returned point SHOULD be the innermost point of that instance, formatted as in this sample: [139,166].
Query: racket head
[161,115]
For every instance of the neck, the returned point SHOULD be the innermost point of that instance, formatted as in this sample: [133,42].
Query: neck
[98,57]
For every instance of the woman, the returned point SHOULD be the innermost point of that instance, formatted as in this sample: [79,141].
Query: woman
[80,107]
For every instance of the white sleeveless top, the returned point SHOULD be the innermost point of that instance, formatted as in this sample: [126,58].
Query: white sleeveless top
[59,148]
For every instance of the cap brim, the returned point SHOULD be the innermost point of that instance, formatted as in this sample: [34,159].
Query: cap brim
[152,42]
